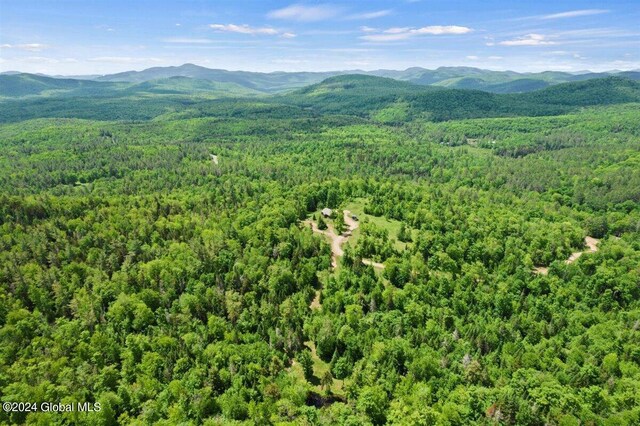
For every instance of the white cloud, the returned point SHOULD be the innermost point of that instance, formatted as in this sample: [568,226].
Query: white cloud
[403,33]
[244,29]
[385,37]
[473,57]
[31,47]
[528,40]
[302,13]
[495,58]
[371,15]
[575,13]
[397,30]
[440,30]
[366,29]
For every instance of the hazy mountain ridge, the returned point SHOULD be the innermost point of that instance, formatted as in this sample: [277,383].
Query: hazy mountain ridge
[381,99]
[32,85]
[372,96]
[277,82]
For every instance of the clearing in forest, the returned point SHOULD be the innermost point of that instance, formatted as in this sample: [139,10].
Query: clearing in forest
[337,240]
[592,247]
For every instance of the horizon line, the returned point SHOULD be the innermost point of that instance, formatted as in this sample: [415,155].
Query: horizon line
[355,70]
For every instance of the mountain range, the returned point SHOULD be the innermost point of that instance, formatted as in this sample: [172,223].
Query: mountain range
[255,83]
[381,99]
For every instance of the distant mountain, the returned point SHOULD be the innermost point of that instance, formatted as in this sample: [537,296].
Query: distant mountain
[452,77]
[264,82]
[519,85]
[381,99]
[21,85]
[598,91]
[493,81]
[280,82]
[185,85]
[632,75]
[389,100]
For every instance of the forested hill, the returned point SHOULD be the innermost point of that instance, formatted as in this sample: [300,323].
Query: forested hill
[264,82]
[19,85]
[452,77]
[280,82]
[381,99]
[601,91]
[33,86]
[390,100]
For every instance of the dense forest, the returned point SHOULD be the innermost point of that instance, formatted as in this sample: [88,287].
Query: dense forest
[161,254]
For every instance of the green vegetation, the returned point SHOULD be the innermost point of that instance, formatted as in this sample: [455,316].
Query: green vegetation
[279,82]
[138,273]
[384,100]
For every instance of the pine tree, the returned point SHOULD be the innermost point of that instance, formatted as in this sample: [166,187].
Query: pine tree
[322,225]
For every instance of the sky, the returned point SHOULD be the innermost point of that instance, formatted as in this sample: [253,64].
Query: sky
[71,37]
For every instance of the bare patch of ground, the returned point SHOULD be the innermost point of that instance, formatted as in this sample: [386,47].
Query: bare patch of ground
[315,303]
[592,247]
[338,240]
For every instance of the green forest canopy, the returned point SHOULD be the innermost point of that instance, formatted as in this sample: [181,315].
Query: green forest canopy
[137,273]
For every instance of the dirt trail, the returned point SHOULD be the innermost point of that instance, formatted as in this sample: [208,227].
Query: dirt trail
[315,303]
[370,262]
[338,240]
[590,242]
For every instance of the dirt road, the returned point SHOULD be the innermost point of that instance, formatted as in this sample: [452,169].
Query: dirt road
[336,247]
[590,242]
[338,240]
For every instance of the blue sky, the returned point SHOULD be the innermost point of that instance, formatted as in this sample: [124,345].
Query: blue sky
[97,37]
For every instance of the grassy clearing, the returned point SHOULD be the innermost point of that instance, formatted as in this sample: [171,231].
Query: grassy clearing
[392,226]
[319,369]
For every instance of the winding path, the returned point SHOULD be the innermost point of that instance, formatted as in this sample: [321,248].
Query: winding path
[338,240]
[336,247]
[590,242]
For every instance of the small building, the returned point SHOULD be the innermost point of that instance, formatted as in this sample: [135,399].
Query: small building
[326,212]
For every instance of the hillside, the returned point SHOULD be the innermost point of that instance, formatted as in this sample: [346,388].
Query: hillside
[264,82]
[279,82]
[602,91]
[366,95]
[452,77]
[375,96]
[31,85]
[19,85]
[185,85]
[519,85]
[379,98]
